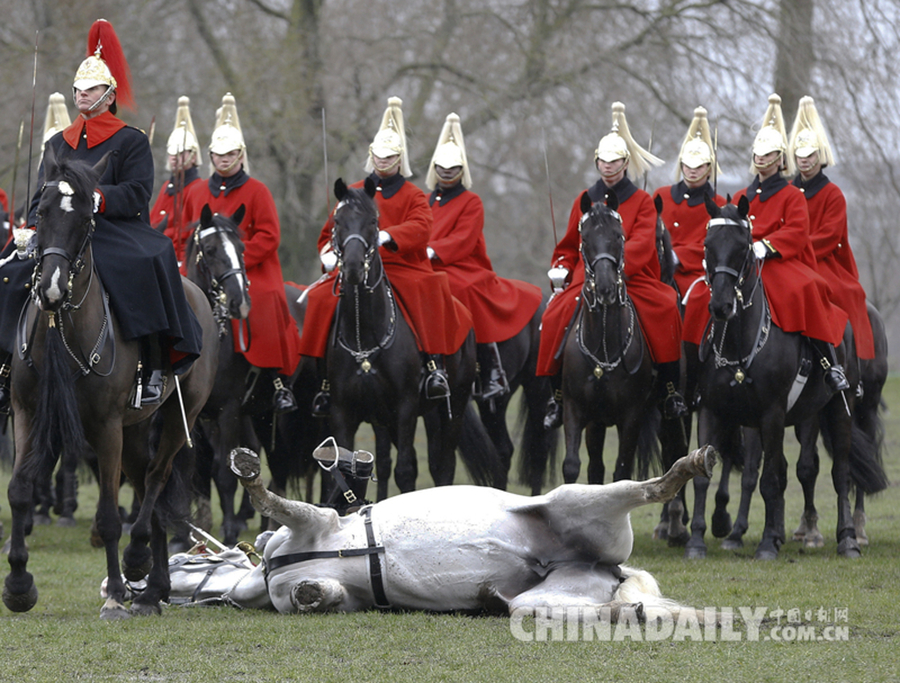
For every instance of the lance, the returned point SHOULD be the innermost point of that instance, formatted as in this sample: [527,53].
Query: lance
[549,185]
[152,130]
[325,164]
[12,196]
[715,168]
[31,134]
[179,182]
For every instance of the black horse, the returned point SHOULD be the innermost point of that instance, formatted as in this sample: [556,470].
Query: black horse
[373,363]
[70,391]
[608,377]
[755,375]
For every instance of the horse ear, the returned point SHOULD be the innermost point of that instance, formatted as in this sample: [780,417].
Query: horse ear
[728,198]
[743,206]
[658,203]
[238,216]
[340,189]
[100,166]
[612,200]
[370,187]
[205,215]
[712,208]
[585,202]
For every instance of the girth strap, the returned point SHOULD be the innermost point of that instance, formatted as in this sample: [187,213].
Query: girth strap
[372,551]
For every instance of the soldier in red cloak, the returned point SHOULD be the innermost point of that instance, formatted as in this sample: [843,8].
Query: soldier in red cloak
[183,151]
[656,303]
[500,308]
[828,222]
[440,322]
[274,340]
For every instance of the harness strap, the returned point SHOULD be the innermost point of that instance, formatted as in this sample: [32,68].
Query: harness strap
[372,551]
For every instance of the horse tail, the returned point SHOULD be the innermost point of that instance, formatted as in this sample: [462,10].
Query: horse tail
[478,453]
[866,448]
[56,430]
[539,446]
[649,454]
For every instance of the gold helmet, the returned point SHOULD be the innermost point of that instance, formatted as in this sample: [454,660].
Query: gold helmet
[619,144]
[183,137]
[57,116]
[772,136]
[808,134]
[391,138]
[105,64]
[697,147]
[449,153]
[227,135]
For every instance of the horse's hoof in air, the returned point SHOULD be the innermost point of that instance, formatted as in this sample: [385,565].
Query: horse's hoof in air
[20,602]
[849,548]
[244,463]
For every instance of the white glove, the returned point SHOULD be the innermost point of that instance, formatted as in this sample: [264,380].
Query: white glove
[430,252]
[329,260]
[760,250]
[558,276]
[24,239]
[97,199]
[383,237]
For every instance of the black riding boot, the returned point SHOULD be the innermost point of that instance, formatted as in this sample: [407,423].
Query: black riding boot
[283,400]
[321,403]
[553,418]
[151,383]
[5,395]
[668,379]
[493,378]
[835,379]
[436,383]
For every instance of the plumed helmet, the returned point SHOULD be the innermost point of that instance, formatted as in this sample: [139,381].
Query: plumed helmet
[449,152]
[772,136]
[391,138]
[57,116]
[697,148]
[808,134]
[619,144]
[183,136]
[227,135]
[105,64]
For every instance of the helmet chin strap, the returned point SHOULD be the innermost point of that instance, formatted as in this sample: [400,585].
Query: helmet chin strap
[234,163]
[776,160]
[99,103]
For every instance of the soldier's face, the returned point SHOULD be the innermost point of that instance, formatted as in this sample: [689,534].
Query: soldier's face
[227,164]
[612,171]
[85,99]
[694,177]
[809,166]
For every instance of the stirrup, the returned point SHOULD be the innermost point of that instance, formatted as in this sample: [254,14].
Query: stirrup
[835,379]
[674,406]
[283,400]
[321,403]
[553,418]
[152,393]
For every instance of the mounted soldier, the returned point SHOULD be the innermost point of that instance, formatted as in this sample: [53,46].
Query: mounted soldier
[440,322]
[271,340]
[617,157]
[135,263]
[183,152]
[812,153]
[500,308]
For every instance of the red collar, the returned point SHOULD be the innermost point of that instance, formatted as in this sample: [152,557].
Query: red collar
[99,129]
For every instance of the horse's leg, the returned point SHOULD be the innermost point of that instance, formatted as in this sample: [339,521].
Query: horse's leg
[695,548]
[749,448]
[673,435]
[407,470]
[19,592]
[772,484]
[859,517]
[573,424]
[839,424]
[227,435]
[594,440]
[538,447]
[383,464]
[628,442]
[67,492]
[807,433]
[494,422]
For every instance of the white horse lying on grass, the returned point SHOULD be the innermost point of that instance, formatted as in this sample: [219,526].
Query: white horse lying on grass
[453,548]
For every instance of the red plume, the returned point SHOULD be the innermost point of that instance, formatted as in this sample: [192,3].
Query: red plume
[103,34]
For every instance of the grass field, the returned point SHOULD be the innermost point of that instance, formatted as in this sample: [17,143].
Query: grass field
[62,638]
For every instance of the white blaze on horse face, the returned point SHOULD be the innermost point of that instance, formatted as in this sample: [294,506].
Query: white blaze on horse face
[235,261]
[67,193]
[53,292]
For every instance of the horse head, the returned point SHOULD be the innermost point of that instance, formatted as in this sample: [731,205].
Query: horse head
[64,225]
[355,233]
[729,256]
[602,251]
[220,259]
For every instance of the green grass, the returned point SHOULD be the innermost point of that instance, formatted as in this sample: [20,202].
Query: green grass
[62,638]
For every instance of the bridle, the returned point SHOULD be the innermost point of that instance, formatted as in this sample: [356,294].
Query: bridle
[369,256]
[218,298]
[589,291]
[740,276]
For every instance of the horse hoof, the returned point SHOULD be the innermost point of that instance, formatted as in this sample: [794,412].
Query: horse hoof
[678,540]
[114,611]
[67,522]
[706,458]
[42,520]
[814,541]
[721,525]
[849,548]
[732,544]
[244,463]
[766,554]
[661,532]
[694,553]
[20,602]
[141,609]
